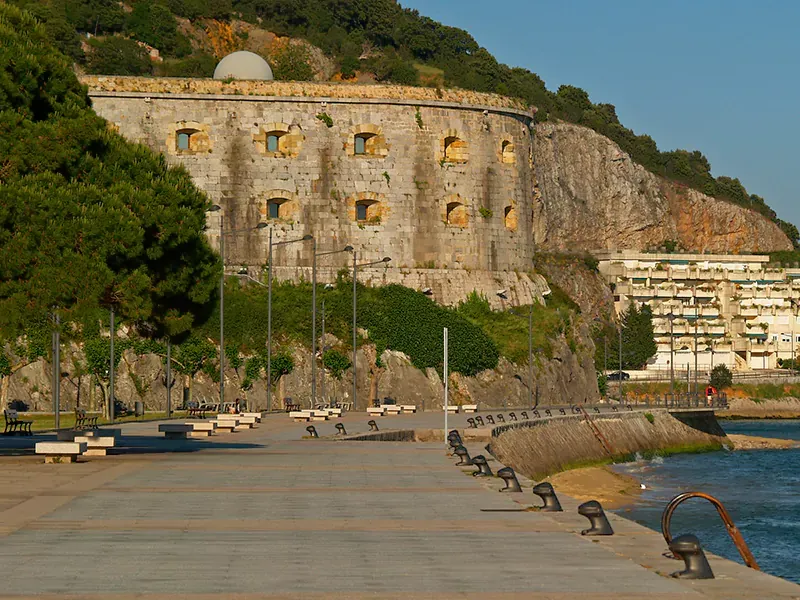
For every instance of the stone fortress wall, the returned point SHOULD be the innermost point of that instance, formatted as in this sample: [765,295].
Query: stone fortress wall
[441,181]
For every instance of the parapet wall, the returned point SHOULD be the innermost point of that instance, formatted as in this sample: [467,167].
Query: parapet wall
[542,447]
[434,179]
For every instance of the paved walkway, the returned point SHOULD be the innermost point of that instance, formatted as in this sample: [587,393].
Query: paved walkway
[264,514]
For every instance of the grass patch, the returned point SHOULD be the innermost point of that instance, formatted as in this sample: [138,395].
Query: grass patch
[650,418]
[47,422]
[430,76]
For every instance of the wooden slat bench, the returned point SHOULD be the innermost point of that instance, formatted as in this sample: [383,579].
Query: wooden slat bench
[290,406]
[60,452]
[15,425]
[196,411]
[84,421]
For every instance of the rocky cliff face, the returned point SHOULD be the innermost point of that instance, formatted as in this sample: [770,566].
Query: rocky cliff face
[593,197]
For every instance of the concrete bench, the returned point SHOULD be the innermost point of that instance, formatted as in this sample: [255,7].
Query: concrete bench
[95,445]
[391,409]
[470,408]
[376,411]
[175,431]
[452,409]
[408,408]
[68,435]
[229,425]
[202,428]
[242,422]
[256,415]
[334,412]
[60,452]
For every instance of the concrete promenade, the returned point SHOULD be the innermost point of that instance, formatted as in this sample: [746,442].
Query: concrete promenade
[265,514]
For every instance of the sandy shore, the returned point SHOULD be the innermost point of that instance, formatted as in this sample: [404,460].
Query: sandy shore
[611,489]
[752,442]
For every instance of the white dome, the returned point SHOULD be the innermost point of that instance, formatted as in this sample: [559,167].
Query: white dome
[243,65]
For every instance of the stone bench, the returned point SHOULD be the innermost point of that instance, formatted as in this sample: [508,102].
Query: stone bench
[242,422]
[470,408]
[376,411]
[68,435]
[391,409]
[95,445]
[176,431]
[202,428]
[408,408]
[334,412]
[60,452]
[452,409]
[228,424]
[309,415]
[256,415]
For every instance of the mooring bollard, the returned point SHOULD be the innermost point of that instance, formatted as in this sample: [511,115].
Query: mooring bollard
[524,414]
[614,408]
[483,466]
[471,423]
[501,419]
[630,407]
[536,414]
[453,435]
[593,511]
[547,412]
[510,479]
[546,492]
[373,426]
[490,419]
[341,430]
[463,455]
[312,431]
[512,416]
[562,411]
[597,410]
[479,421]
[695,562]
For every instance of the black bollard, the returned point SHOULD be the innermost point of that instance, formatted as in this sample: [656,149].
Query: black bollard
[501,419]
[512,416]
[597,410]
[546,492]
[593,511]
[483,466]
[614,408]
[340,428]
[547,412]
[510,479]
[453,435]
[373,426]
[688,548]
[562,411]
[524,414]
[463,455]
[471,423]
[479,420]
[312,431]
[536,414]
[630,407]
[490,419]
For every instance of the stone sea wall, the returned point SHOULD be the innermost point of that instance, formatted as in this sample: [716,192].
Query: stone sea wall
[746,408]
[543,447]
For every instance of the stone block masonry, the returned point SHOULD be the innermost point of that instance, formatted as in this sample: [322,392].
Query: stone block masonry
[432,179]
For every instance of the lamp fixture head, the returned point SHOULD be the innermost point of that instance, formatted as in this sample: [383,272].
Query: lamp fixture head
[307,237]
[214,208]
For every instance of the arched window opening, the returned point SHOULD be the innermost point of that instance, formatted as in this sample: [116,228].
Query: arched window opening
[456,214]
[510,218]
[507,152]
[455,150]
[184,141]
[274,208]
[363,144]
[273,142]
[368,211]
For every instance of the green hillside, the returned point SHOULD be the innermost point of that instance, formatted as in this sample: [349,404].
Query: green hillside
[374,37]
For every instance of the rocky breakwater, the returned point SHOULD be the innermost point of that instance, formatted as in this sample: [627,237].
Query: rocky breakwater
[755,408]
[592,196]
[542,447]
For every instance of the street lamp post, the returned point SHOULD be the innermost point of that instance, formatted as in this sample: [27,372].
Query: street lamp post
[305,238]
[347,248]
[222,234]
[620,359]
[696,319]
[385,259]
[671,354]
[530,350]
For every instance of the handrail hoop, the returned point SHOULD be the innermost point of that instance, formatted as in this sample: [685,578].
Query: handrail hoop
[730,526]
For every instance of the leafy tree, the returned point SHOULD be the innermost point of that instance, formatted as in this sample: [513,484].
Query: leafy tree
[154,24]
[281,364]
[197,65]
[86,218]
[95,16]
[118,56]
[350,64]
[721,377]
[192,356]
[291,63]
[336,363]
[638,340]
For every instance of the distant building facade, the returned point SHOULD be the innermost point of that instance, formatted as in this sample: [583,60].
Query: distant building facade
[735,310]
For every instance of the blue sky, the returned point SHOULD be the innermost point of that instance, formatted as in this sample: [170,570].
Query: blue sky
[712,75]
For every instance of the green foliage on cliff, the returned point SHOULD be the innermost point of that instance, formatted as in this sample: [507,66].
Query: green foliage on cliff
[721,377]
[291,63]
[87,219]
[638,341]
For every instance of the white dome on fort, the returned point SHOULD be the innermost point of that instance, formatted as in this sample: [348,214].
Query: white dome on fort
[243,65]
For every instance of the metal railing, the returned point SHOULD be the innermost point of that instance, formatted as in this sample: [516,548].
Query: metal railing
[730,526]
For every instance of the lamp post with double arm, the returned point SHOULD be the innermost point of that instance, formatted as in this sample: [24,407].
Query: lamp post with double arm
[347,248]
[356,266]
[305,238]
[222,234]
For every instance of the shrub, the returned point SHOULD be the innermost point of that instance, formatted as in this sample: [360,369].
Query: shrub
[649,416]
[336,362]
[350,65]
[292,63]
[721,377]
[118,56]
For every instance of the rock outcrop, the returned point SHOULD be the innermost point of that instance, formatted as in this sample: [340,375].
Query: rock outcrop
[592,196]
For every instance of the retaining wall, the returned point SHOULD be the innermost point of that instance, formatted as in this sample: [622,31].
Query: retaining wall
[541,447]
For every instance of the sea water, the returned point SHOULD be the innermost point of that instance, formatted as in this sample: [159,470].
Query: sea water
[760,489]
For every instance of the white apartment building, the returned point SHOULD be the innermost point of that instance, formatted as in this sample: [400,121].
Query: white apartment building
[725,309]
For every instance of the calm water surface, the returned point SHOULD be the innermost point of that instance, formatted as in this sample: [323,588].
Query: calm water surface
[760,489]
